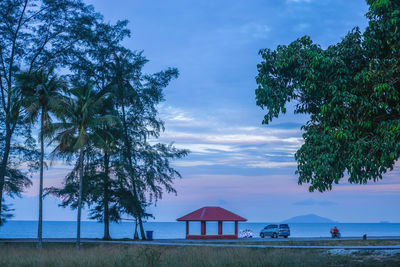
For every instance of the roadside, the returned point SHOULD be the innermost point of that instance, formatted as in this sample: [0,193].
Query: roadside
[129,253]
[378,243]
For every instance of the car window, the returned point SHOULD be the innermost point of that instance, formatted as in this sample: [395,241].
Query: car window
[284,226]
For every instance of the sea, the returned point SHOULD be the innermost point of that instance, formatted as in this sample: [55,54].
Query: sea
[165,230]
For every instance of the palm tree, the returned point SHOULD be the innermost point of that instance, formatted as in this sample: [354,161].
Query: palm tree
[81,125]
[42,95]
[107,147]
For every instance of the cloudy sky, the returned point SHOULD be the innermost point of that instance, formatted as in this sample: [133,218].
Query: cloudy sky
[235,162]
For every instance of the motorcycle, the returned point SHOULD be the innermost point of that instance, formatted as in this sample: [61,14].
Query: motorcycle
[335,234]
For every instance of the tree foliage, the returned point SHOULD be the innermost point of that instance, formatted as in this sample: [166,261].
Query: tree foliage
[125,170]
[351,91]
[34,34]
[80,128]
[101,116]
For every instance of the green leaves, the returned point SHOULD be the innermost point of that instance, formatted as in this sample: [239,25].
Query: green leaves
[351,91]
[107,111]
[34,35]
[112,115]
[81,121]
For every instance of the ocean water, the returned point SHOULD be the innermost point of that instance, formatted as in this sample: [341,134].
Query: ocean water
[161,230]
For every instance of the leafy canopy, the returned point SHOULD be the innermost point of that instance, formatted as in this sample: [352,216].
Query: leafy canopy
[351,91]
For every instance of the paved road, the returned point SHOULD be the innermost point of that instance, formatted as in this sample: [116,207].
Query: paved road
[228,243]
[257,239]
[177,240]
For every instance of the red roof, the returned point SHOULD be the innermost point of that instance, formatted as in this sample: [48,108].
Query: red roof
[211,214]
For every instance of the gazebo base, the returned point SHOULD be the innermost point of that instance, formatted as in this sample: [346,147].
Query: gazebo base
[211,237]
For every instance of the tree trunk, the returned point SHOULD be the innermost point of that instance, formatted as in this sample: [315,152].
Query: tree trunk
[106,216]
[129,156]
[3,168]
[40,223]
[136,235]
[78,230]
[106,222]
[141,228]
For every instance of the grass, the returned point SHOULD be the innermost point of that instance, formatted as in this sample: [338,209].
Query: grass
[65,254]
[337,242]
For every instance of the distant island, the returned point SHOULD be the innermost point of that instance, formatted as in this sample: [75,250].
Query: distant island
[309,218]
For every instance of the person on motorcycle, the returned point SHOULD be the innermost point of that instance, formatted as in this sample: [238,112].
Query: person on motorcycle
[335,232]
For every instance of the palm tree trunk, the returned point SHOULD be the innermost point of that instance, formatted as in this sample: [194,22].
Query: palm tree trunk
[40,223]
[141,228]
[106,221]
[78,230]
[136,235]
[3,167]
[106,216]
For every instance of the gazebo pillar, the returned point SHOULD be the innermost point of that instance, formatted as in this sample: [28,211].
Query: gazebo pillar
[203,228]
[187,228]
[236,228]
[220,227]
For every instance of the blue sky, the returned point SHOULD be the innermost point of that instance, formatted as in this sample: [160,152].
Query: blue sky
[236,162]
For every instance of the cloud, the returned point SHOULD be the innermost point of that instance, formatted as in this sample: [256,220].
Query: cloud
[313,202]
[238,136]
[174,114]
[298,1]
[238,162]
[214,142]
[255,30]
[301,27]
[222,202]
[206,148]
[270,164]
[192,163]
[371,187]
[47,182]
[241,34]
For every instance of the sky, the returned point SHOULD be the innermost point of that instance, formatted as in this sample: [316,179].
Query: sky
[235,161]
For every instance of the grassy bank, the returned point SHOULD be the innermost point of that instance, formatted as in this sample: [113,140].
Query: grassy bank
[25,254]
[336,242]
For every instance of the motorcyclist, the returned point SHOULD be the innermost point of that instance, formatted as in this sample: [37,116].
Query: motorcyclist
[335,232]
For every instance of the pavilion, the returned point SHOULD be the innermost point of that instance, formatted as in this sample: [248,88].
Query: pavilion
[216,214]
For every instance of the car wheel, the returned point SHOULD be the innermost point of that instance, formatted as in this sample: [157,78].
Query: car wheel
[262,235]
[285,236]
[274,235]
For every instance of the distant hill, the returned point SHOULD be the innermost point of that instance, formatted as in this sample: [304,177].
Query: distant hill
[309,218]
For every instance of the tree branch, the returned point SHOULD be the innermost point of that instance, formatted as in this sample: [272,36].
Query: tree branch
[3,99]
[3,65]
[33,15]
[13,54]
